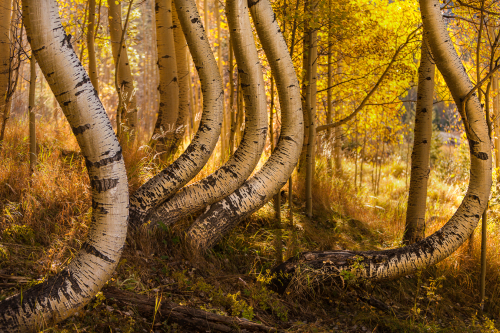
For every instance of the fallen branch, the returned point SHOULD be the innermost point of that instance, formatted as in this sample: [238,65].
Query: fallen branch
[183,315]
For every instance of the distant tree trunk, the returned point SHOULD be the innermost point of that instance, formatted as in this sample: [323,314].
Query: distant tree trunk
[496,112]
[306,48]
[311,114]
[277,198]
[232,112]
[181,57]
[5,17]
[168,111]
[329,106]
[240,166]
[61,295]
[5,65]
[162,186]
[387,264]
[420,168]
[91,47]
[128,113]
[222,216]
[32,114]
[338,133]
[223,143]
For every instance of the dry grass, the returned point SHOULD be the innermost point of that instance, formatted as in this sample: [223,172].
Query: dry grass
[44,219]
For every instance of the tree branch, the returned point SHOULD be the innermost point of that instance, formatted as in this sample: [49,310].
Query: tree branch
[372,91]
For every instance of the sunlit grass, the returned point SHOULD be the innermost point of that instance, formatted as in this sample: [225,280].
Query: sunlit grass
[44,220]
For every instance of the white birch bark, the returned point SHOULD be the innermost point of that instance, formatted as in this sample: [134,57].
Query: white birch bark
[221,217]
[420,157]
[63,294]
[377,265]
[168,110]
[162,186]
[239,167]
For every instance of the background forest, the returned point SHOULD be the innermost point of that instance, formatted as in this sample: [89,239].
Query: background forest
[357,64]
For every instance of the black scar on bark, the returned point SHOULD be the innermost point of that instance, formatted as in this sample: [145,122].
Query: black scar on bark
[105,161]
[80,129]
[66,39]
[195,20]
[85,79]
[99,207]
[95,252]
[38,50]
[33,297]
[103,185]
[252,3]
[481,155]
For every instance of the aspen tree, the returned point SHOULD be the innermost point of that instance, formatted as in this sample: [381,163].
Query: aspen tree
[5,17]
[240,165]
[127,115]
[496,112]
[329,106]
[5,62]
[61,295]
[168,88]
[310,105]
[91,47]
[162,186]
[183,77]
[420,157]
[32,114]
[377,265]
[222,216]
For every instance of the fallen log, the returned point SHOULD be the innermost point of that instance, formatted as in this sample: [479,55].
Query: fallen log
[185,316]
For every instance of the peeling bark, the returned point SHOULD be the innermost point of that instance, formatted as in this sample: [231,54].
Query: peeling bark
[388,264]
[221,217]
[239,167]
[420,158]
[162,186]
[63,294]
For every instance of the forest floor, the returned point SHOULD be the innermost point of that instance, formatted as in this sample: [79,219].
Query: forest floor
[44,218]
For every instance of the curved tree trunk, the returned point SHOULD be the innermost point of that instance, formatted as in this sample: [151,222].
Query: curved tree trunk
[168,111]
[181,56]
[91,47]
[162,186]
[420,169]
[376,265]
[128,112]
[213,224]
[63,294]
[228,178]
